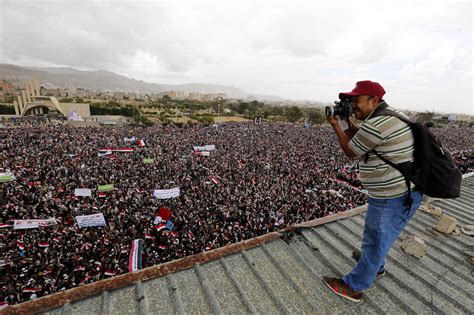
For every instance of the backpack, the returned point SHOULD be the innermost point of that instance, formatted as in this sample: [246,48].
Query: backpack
[433,170]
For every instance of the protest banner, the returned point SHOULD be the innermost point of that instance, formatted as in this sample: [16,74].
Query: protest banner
[96,219]
[116,150]
[210,147]
[6,177]
[166,193]
[148,161]
[107,187]
[33,223]
[82,192]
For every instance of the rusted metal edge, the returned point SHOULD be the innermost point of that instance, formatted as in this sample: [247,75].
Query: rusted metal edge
[327,219]
[58,299]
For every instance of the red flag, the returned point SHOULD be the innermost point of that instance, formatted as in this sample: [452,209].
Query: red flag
[164,213]
[109,273]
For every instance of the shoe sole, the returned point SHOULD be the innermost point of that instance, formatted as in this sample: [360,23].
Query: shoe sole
[342,295]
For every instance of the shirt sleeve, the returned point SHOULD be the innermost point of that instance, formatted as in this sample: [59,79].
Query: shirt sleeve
[367,138]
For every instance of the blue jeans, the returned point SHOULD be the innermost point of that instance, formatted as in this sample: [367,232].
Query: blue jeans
[384,220]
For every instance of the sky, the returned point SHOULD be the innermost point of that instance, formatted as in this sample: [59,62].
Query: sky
[420,51]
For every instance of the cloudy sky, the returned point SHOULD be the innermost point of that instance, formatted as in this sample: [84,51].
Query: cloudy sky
[421,52]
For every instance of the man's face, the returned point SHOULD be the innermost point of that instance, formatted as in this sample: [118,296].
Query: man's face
[363,105]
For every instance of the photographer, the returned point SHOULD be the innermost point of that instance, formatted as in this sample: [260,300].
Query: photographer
[388,211]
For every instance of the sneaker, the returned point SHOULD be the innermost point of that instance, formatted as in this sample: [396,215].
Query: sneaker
[356,255]
[342,289]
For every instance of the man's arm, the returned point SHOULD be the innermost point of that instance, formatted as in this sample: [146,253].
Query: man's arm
[352,130]
[344,136]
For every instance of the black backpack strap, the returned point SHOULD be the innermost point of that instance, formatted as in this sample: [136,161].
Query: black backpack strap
[409,200]
[382,110]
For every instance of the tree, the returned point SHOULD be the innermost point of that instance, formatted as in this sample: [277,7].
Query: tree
[293,114]
[424,117]
[315,116]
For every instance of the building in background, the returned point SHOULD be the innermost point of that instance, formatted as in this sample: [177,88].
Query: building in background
[30,102]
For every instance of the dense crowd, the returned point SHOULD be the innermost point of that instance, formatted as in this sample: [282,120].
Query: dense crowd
[260,178]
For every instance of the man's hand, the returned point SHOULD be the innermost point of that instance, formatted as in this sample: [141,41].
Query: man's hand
[342,136]
[332,120]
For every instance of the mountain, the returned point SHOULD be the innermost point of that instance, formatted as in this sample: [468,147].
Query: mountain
[106,81]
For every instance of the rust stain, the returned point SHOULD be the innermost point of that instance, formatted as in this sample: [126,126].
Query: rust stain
[58,299]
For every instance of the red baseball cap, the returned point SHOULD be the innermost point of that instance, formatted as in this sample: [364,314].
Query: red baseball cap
[364,88]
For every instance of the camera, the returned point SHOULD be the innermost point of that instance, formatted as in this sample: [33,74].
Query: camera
[341,109]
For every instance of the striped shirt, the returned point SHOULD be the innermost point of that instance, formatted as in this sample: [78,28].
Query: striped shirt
[391,138]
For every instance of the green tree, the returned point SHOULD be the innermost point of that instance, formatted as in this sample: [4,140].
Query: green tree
[315,116]
[293,114]
[424,117]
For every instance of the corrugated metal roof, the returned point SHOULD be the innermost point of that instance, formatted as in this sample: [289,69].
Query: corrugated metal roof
[281,273]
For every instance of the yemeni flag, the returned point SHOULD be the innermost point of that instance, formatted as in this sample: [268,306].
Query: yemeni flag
[162,246]
[109,273]
[80,268]
[160,227]
[20,245]
[141,143]
[107,187]
[148,236]
[135,259]
[3,225]
[43,244]
[3,305]
[57,239]
[102,195]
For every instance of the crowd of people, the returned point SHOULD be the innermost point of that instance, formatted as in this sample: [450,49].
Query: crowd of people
[260,178]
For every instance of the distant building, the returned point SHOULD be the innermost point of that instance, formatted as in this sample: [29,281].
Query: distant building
[209,97]
[30,102]
[6,87]
[195,96]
